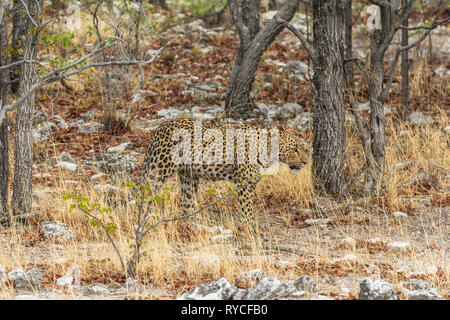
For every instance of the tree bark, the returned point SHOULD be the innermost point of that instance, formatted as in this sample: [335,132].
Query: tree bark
[348,24]
[405,68]
[4,154]
[21,23]
[379,42]
[254,42]
[329,131]
[23,139]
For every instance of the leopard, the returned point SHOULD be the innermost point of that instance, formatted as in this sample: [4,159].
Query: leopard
[160,163]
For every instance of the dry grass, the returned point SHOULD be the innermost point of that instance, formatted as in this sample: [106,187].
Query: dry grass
[282,204]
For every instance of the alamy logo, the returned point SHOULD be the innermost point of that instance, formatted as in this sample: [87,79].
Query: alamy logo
[238,146]
[374,20]
[73,18]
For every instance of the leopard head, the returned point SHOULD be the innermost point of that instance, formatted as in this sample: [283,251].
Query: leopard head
[292,149]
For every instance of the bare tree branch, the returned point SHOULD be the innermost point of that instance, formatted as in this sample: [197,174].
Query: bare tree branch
[358,63]
[433,26]
[405,13]
[306,44]
[58,74]
[238,22]
[28,13]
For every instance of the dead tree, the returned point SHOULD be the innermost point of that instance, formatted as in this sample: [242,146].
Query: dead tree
[254,41]
[391,20]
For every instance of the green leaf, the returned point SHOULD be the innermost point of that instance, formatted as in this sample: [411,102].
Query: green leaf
[67,196]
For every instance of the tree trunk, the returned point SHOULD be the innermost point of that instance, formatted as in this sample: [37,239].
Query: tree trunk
[23,139]
[329,131]
[378,47]
[21,24]
[254,42]
[348,24]
[273,4]
[405,69]
[4,154]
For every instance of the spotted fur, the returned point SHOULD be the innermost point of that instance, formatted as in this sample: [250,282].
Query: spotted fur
[159,166]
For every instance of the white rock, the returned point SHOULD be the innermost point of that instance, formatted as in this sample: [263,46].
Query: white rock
[375,240]
[2,275]
[42,175]
[239,294]
[152,52]
[64,156]
[416,289]
[25,280]
[298,295]
[197,25]
[132,284]
[56,230]
[321,297]
[246,278]
[65,281]
[297,69]
[67,165]
[376,289]
[418,119]
[416,284]
[120,148]
[202,116]
[42,192]
[72,277]
[399,214]
[442,72]
[90,127]
[98,289]
[219,289]
[348,241]
[399,245]
[213,229]
[78,123]
[60,122]
[269,288]
[26,297]
[403,132]
[312,222]
[305,283]
[447,129]
[347,257]
[428,294]
[169,113]
[42,132]
[284,264]
[103,187]
[365,106]
[288,111]
[222,237]
[97,176]
[138,97]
